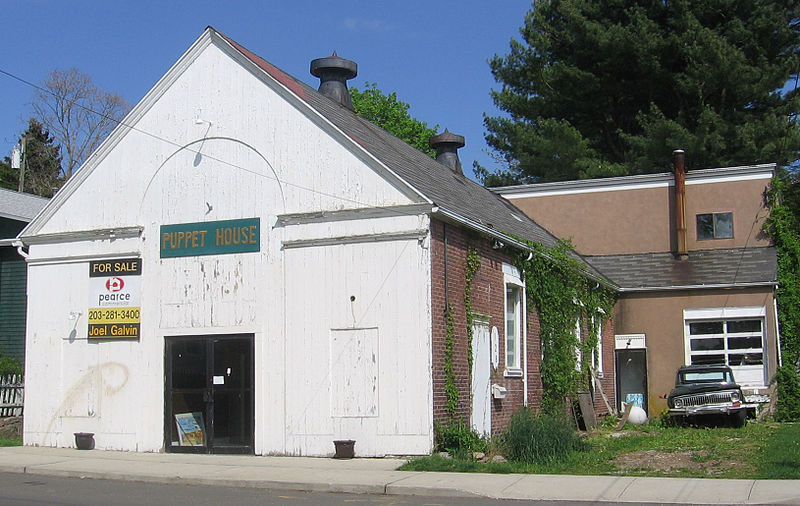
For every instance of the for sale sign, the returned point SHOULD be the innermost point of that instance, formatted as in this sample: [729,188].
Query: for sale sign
[114,288]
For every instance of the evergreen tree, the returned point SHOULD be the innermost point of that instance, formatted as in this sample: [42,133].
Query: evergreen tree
[42,162]
[610,87]
[392,115]
[9,178]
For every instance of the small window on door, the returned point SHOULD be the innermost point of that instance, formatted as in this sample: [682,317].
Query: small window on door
[714,226]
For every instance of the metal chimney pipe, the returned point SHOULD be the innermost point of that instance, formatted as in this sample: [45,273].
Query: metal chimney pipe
[446,145]
[679,167]
[333,73]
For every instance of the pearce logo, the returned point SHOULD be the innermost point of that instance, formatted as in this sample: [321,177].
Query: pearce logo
[115,284]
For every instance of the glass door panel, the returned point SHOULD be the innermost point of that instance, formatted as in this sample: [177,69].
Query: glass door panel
[209,394]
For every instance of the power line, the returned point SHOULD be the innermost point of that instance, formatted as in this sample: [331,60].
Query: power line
[198,152]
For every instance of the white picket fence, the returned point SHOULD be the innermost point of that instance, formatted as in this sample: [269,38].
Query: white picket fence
[12,391]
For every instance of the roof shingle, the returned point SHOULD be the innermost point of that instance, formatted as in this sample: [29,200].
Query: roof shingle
[706,267]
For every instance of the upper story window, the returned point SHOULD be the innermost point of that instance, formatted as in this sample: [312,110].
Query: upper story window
[714,226]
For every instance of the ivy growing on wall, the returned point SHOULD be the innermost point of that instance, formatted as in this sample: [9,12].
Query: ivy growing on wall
[450,388]
[783,227]
[473,264]
[560,292]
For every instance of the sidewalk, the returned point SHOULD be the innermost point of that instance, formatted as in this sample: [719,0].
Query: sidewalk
[378,476]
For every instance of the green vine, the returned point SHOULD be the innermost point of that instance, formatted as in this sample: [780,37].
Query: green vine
[450,387]
[473,264]
[558,289]
[783,227]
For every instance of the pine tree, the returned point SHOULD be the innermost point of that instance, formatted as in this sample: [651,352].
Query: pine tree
[610,87]
[42,163]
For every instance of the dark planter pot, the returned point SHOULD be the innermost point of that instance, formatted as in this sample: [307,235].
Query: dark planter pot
[345,449]
[84,440]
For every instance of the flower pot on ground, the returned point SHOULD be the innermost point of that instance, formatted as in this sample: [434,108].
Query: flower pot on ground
[84,440]
[345,449]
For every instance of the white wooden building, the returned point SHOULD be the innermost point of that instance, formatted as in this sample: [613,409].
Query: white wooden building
[242,266]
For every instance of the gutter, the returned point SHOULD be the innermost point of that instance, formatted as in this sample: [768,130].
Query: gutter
[510,241]
[696,287]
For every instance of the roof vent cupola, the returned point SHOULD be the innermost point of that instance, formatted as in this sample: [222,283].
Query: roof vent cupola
[333,73]
[446,145]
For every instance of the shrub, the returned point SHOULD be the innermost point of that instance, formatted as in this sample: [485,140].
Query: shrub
[9,365]
[458,439]
[540,438]
[788,394]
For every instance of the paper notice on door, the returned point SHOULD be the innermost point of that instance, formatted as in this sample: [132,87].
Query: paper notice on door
[219,380]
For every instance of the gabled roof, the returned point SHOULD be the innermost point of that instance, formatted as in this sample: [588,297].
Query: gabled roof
[719,268]
[20,206]
[454,196]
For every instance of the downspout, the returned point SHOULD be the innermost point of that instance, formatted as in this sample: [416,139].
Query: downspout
[524,304]
[679,161]
[22,252]
[777,330]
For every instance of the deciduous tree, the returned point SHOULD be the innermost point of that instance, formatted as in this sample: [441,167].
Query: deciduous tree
[392,115]
[78,114]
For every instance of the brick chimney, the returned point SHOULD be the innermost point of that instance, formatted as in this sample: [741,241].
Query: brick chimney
[679,171]
[446,145]
[333,73]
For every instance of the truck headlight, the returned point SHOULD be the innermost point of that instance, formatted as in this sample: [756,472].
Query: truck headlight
[678,403]
[735,396]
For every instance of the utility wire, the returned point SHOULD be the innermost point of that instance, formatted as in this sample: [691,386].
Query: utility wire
[175,144]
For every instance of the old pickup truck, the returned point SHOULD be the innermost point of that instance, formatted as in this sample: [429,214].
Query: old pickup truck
[706,394]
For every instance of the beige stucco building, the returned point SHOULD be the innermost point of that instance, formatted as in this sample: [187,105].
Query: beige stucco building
[697,276]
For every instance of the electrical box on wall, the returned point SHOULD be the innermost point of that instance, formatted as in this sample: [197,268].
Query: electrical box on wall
[498,391]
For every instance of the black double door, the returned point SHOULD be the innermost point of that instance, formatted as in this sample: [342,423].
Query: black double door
[209,394]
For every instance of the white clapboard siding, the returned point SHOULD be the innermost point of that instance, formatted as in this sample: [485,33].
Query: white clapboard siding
[260,155]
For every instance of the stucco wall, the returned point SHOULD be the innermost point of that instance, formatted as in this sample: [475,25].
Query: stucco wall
[641,220]
[660,317]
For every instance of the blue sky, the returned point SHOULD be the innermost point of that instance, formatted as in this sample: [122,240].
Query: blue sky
[432,53]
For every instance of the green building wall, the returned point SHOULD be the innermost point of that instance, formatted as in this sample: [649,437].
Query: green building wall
[13,296]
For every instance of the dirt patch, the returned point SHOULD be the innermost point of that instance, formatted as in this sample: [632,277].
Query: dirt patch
[11,427]
[670,462]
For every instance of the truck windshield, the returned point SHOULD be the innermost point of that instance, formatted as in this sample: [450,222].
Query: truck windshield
[707,377]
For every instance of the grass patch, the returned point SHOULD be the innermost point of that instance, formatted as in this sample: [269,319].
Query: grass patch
[10,441]
[781,458]
[758,450]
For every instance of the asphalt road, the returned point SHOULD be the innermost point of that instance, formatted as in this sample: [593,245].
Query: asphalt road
[27,489]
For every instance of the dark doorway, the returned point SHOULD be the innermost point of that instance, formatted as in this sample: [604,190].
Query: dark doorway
[209,394]
[632,377]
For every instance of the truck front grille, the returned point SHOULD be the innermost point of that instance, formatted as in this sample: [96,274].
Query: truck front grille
[710,398]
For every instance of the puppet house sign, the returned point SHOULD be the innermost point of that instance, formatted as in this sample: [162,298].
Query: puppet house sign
[114,289]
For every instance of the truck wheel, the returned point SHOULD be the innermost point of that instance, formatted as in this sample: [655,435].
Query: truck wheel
[737,419]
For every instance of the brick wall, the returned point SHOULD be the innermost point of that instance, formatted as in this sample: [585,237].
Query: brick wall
[607,383]
[488,298]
